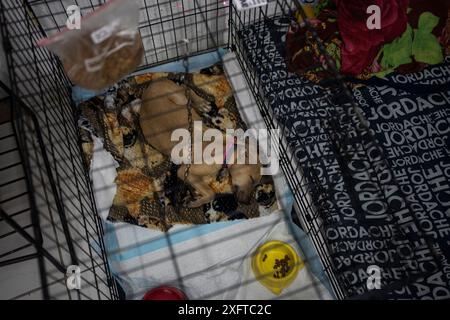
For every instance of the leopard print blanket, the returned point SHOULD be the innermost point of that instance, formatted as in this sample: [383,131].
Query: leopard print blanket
[142,169]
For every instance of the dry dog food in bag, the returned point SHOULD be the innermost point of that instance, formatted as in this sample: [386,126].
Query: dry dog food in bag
[107,46]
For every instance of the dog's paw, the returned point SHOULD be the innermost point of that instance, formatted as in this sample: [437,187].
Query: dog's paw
[203,106]
[200,104]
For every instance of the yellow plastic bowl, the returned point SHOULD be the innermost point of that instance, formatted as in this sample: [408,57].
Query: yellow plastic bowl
[276,265]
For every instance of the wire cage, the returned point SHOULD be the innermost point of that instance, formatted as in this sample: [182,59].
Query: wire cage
[66,227]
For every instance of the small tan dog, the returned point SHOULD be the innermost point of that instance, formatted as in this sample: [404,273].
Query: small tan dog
[163,110]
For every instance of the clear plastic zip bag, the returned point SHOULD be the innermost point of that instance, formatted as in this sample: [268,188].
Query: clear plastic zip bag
[107,46]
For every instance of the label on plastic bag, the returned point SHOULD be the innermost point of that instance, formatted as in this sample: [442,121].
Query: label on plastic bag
[104,33]
[248,4]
